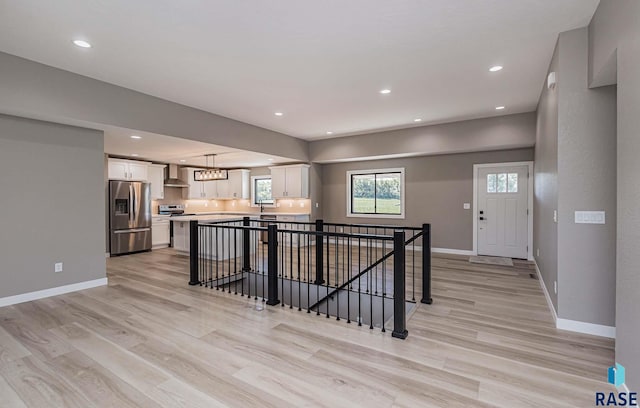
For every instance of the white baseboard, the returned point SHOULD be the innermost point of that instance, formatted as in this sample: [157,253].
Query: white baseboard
[546,293]
[574,325]
[452,251]
[45,293]
[586,328]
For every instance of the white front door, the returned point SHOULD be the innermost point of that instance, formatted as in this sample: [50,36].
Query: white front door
[502,211]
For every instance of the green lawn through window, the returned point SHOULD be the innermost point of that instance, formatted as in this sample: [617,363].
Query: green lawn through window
[384,205]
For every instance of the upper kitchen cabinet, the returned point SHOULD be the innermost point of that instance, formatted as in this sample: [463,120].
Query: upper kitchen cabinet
[156,178]
[239,184]
[129,170]
[235,187]
[290,181]
[196,188]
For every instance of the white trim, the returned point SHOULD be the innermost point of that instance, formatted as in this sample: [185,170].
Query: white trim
[546,293]
[452,251]
[625,388]
[45,293]
[574,325]
[476,167]
[400,170]
[586,328]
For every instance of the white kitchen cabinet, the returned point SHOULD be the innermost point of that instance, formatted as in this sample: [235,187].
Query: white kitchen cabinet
[290,181]
[160,232]
[239,184]
[181,236]
[156,178]
[219,189]
[196,189]
[129,170]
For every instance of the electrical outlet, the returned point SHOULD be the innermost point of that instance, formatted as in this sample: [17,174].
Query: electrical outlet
[538,252]
[57,267]
[555,215]
[317,205]
[555,287]
[466,206]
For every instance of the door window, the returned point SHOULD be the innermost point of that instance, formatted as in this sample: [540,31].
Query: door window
[502,183]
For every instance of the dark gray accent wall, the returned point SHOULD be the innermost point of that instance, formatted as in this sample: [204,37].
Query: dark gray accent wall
[52,203]
[496,133]
[615,29]
[545,229]
[586,181]
[435,191]
[39,91]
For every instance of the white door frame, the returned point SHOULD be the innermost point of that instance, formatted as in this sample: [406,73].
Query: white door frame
[476,168]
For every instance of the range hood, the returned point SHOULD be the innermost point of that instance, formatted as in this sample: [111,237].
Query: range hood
[173,180]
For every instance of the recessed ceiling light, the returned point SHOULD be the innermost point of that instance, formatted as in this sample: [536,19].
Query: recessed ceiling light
[136,137]
[329,132]
[417,120]
[134,154]
[278,113]
[82,43]
[183,161]
[495,68]
[385,91]
[499,107]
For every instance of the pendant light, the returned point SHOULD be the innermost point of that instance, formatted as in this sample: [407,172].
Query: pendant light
[211,172]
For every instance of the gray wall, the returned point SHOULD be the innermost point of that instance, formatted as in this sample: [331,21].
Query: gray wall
[615,28]
[586,181]
[545,230]
[39,91]
[436,189]
[52,205]
[496,133]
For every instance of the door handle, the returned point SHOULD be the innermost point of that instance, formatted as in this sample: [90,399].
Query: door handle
[130,204]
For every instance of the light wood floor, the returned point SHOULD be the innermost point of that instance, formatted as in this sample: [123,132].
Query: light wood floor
[150,340]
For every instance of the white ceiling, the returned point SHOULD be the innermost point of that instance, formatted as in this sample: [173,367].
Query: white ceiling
[167,149]
[322,63]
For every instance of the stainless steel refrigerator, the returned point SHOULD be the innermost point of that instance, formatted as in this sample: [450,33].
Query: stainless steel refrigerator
[130,216]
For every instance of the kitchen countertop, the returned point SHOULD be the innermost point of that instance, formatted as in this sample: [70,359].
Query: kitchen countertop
[226,214]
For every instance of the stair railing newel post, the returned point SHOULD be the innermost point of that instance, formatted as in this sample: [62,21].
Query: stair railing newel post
[319,253]
[272,268]
[193,253]
[246,245]
[399,306]
[426,264]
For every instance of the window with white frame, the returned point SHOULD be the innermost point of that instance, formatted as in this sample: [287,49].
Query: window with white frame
[261,191]
[375,193]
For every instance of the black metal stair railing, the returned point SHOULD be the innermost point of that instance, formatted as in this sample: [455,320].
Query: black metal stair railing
[351,275]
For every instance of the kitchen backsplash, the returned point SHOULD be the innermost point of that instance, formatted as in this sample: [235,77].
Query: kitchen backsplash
[173,195]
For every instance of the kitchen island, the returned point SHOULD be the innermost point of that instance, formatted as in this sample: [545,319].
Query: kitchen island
[181,235]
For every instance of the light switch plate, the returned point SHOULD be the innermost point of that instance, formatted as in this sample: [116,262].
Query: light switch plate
[466,206]
[555,215]
[589,217]
[57,267]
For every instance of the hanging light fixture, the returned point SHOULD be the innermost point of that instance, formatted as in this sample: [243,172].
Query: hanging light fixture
[211,172]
